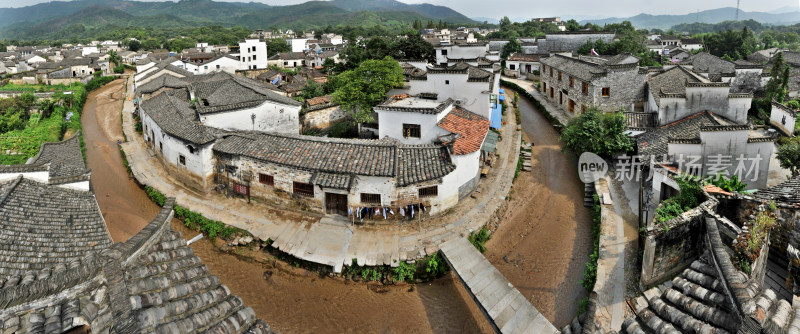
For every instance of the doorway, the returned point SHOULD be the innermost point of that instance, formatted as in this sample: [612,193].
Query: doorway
[336,204]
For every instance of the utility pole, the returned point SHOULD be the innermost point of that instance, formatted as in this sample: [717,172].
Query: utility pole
[737,9]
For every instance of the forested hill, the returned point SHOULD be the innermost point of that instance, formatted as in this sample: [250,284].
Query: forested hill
[85,18]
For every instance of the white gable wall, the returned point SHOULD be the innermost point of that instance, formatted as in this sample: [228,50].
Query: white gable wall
[269,117]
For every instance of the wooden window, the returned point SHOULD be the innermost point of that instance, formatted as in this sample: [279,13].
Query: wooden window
[444,52]
[551,72]
[585,88]
[371,198]
[571,105]
[512,66]
[266,179]
[182,159]
[431,191]
[551,92]
[303,189]
[544,87]
[412,131]
[571,82]
[544,68]
[606,91]
[559,75]
[583,108]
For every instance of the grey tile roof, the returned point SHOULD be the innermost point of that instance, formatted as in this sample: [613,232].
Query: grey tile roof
[332,180]
[410,164]
[152,283]
[707,63]
[672,82]
[175,117]
[655,143]
[65,157]
[389,105]
[786,192]
[223,92]
[44,225]
[164,81]
[587,68]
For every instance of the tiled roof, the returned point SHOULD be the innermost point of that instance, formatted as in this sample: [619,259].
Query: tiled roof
[332,180]
[410,164]
[174,116]
[584,68]
[707,63]
[786,192]
[655,143]
[672,82]
[390,105]
[224,91]
[711,296]
[320,100]
[65,157]
[471,130]
[523,57]
[152,283]
[164,81]
[44,225]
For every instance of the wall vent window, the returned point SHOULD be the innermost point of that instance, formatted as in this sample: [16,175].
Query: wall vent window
[182,159]
[431,191]
[606,91]
[303,189]
[444,52]
[412,131]
[371,198]
[266,179]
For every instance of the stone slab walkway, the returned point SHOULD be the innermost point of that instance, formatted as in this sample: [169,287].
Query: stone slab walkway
[610,285]
[328,241]
[554,110]
[505,307]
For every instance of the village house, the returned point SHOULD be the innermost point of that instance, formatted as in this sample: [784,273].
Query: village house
[677,93]
[320,113]
[554,20]
[288,60]
[252,54]
[783,118]
[445,52]
[522,65]
[577,83]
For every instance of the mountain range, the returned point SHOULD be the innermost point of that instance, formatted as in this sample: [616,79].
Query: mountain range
[49,20]
[782,16]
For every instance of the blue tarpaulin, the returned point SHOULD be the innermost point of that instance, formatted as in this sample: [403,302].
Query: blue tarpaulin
[502,98]
[497,116]
[275,82]
[502,91]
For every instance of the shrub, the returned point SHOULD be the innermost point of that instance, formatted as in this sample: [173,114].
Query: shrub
[688,198]
[597,132]
[794,104]
[435,265]
[732,184]
[343,130]
[404,271]
[479,238]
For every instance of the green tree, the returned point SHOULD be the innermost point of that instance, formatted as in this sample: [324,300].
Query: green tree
[510,47]
[311,90]
[134,45]
[114,58]
[366,86]
[776,88]
[276,46]
[789,157]
[415,47]
[573,25]
[597,132]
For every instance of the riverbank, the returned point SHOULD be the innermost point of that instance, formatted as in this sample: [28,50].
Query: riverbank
[292,300]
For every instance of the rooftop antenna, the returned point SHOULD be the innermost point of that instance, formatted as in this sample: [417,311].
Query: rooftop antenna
[737,9]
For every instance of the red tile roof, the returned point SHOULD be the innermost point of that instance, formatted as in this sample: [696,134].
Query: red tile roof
[471,130]
[320,100]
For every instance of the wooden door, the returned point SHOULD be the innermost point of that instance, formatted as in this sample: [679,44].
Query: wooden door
[336,204]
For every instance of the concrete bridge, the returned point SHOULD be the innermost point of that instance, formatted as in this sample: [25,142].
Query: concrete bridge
[503,305]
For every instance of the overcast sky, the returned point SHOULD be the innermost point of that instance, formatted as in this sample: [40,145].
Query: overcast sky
[565,9]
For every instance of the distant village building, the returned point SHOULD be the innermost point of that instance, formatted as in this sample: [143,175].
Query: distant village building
[522,65]
[554,20]
[252,54]
[569,41]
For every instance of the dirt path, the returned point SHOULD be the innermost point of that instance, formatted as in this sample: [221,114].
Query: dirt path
[544,239]
[290,302]
[125,207]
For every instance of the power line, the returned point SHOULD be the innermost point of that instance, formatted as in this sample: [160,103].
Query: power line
[737,9]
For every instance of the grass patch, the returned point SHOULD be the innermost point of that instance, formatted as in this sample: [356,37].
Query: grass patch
[590,271]
[211,228]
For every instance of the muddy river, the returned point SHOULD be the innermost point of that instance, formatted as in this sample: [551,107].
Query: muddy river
[293,301]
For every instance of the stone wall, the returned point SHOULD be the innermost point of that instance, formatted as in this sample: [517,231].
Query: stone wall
[626,86]
[570,41]
[671,246]
[323,118]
